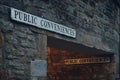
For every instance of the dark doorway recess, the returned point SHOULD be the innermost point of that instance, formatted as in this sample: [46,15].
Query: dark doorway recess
[62,44]
[58,51]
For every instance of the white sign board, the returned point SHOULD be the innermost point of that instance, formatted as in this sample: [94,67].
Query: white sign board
[30,19]
[38,68]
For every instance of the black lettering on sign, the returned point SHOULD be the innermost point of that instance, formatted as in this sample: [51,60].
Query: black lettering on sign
[30,19]
[16,14]
[25,17]
[20,15]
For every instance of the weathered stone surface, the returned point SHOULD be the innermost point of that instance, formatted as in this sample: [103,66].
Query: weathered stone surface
[1,40]
[89,39]
[42,43]
[90,13]
[27,44]
[23,29]
[13,3]
[4,12]
[15,64]
[6,26]
[92,3]
[116,36]
[40,4]
[10,39]
[20,34]
[8,49]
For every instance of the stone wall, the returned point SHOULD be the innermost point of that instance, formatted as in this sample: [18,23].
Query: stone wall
[1,43]
[21,46]
[96,21]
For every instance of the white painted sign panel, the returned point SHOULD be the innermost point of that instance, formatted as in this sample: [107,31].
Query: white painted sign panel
[38,68]
[30,19]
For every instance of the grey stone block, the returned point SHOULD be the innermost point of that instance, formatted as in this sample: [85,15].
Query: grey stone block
[38,68]
[6,26]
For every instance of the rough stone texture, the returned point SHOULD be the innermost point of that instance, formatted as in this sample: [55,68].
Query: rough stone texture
[97,23]
[1,40]
[1,45]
